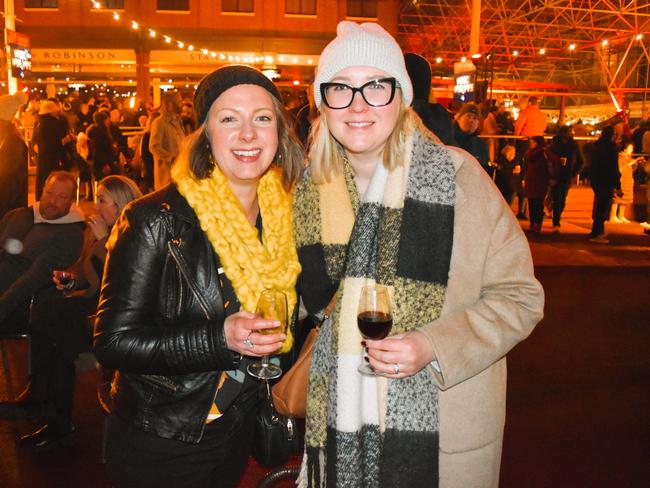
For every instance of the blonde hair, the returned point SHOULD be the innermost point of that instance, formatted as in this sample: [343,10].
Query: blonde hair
[121,189]
[326,153]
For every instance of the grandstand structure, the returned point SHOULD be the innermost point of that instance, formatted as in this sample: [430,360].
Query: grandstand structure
[582,46]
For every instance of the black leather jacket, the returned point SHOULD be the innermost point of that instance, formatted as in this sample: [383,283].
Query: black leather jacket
[160,318]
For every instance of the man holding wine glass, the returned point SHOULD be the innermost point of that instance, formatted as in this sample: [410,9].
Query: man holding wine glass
[186,269]
[416,244]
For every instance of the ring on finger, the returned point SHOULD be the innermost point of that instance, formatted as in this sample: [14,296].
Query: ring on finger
[396,368]
[247,342]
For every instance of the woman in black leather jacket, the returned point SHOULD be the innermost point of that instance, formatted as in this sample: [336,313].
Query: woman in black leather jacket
[185,267]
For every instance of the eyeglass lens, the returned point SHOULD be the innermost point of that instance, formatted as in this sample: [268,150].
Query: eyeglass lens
[376,93]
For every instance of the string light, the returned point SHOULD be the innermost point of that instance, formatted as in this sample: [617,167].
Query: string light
[542,51]
[134,25]
[515,53]
[572,47]
[152,33]
[438,60]
[639,37]
[604,43]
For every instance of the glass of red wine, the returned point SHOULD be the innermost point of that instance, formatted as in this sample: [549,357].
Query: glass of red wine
[374,318]
[65,279]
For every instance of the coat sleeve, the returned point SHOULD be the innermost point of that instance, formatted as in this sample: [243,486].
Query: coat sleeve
[129,331]
[159,141]
[469,339]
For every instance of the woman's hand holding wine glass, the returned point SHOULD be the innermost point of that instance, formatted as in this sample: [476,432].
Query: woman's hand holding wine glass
[271,305]
[245,329]
[395,356]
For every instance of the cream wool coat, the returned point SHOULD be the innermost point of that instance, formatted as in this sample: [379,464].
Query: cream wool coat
[493,301]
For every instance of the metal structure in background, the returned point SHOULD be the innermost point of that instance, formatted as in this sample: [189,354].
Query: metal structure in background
[587,44]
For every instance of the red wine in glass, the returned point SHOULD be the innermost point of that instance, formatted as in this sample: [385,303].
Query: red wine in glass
[65,279]
[374,325]
[374,317]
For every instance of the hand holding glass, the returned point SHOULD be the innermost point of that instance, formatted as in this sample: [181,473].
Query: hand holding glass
[64,279]
[272,305]
[374,318]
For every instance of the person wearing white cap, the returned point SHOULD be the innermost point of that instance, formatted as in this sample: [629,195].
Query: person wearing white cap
[383,202]
[49,134]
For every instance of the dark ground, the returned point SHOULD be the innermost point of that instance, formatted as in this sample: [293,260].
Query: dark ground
[578,389]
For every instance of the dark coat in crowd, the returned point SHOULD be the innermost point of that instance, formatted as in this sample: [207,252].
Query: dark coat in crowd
[505,178]
[473,144]
[102,151]
[567,148]
[603,171]
[13,168]
[434,116]
[52,156]
[537,175]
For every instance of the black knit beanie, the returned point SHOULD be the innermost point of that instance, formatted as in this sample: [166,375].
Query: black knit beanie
[217,82]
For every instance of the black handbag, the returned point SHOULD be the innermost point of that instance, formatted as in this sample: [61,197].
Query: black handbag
[276,436]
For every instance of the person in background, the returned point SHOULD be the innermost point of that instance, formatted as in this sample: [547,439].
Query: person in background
[505,172]
[605,180]
[166,137]
[530,122]
[35,241]
[466,134]
[103,149]
[175,315]
[48,140]
[13,156]
[81,160]
[536,181]
[60,331]
[623,200]
[434,116]
[566,149]
[146,156]
[383,202]
[187,118]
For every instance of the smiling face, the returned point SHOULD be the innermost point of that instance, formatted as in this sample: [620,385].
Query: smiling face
[243,131]
[361,129]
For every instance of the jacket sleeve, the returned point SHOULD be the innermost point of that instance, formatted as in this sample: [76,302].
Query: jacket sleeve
[470,339]
[129,333]
[64,249]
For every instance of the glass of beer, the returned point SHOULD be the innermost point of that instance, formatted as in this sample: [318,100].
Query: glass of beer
[272,305]
[374,317]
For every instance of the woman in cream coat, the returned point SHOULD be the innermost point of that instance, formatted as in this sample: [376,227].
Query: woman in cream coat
[384,202]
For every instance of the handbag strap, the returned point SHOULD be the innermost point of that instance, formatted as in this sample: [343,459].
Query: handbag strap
[330,308]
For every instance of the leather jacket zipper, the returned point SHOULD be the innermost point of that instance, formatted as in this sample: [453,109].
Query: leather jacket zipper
[173,250]
[161,381]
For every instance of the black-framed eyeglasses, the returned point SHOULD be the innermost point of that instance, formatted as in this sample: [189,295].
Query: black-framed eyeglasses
[376,93]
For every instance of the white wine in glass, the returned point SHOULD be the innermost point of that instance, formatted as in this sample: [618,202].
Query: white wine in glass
[374,318]
[272,305]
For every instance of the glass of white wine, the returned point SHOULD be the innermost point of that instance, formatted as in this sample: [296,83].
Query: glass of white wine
[272,305]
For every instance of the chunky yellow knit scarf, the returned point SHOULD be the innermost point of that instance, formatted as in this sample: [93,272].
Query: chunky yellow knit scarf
[250,265]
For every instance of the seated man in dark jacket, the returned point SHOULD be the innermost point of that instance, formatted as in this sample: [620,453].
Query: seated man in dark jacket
[34,241]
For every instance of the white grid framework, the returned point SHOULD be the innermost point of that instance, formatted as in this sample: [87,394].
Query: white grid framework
[441,29]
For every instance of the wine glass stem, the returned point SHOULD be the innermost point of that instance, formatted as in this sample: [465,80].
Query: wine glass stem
[265,361]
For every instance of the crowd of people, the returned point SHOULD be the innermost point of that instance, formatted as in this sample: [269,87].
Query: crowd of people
[216,199]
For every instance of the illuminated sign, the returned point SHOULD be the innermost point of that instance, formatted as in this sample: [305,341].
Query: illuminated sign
[21,61]
[464,81]
[464,86]
[20,54]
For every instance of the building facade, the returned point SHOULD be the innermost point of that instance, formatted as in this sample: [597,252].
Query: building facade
[148,44]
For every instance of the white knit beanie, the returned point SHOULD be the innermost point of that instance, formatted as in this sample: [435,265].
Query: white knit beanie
[366,44]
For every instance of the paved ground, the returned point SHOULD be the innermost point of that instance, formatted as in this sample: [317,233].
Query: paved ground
[578,396]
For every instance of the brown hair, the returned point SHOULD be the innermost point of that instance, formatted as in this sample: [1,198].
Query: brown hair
[289,156]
